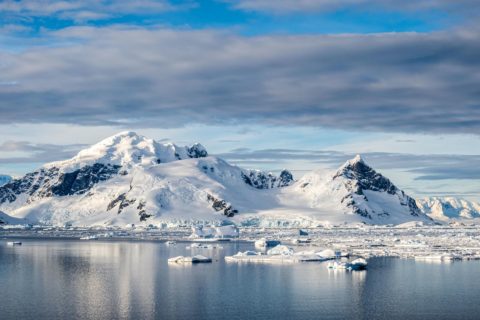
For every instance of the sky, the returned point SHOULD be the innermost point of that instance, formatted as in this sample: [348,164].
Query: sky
[267,84]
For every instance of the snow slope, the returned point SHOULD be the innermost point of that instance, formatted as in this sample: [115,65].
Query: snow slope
[128,178]
[128,149]
[6,219]
[446,208]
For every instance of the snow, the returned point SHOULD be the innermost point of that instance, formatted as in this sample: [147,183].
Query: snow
[127,149]
[229,231]
[280,250]
[449,208]
[172,185]
[6,219]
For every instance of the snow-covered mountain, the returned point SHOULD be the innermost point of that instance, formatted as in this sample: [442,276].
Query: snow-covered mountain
[357,189]
[4,179]
[446,208]
[128,178]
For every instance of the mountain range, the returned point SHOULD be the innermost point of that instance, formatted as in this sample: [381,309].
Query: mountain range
[130,179]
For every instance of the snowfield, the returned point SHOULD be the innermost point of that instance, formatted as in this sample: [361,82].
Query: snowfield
[128,179]
[449,208]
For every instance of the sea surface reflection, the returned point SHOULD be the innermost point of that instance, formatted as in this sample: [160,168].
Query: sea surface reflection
[65,279]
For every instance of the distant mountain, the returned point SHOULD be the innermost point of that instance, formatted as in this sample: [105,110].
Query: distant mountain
[356,188]
[128,178]
[4,179]
[446,208]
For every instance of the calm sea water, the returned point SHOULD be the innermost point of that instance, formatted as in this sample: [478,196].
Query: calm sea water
[54,279]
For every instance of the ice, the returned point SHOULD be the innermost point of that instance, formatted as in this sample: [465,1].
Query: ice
[280,250]
[195,259]
[424,243]
[220,232]
[265,243]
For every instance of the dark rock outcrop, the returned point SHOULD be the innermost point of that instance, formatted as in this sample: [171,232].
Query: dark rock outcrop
[222,205]
[262,180]
[48,182]
[197,151]
[123,202]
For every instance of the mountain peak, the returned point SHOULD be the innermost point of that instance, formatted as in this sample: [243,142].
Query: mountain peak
[364,177]
[129,137]
[126,133]
[128,148]
[356,159]
[353,167]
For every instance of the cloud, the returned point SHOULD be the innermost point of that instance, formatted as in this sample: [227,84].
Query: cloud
[80,10]
[424,167]
[36,152]
[293,6]
[137,77]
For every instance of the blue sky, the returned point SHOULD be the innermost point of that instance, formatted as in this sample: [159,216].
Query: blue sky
[317,80]
[222,14]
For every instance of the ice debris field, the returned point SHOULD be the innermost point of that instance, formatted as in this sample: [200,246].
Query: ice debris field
[410,241]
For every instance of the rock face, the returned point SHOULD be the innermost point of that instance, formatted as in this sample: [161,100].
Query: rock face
[261,180]
[359,177]
[52,182]
[222,205]
[197,151]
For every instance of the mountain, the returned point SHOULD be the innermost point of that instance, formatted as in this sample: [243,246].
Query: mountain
[357,189]
[446,208]
[4,179]
[130,179]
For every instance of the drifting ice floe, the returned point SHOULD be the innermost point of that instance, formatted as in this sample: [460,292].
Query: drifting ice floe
[357,264]
[202,246]
[92,237]
[281,254]
[264,243]
[195,259]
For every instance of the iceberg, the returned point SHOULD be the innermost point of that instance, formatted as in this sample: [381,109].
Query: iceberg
[195,259]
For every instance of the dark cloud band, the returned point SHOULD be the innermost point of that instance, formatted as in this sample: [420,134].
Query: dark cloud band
[154,77]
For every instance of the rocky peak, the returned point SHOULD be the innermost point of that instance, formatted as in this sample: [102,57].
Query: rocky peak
[197,151]
[358,177]
[363,177]
[285,178]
